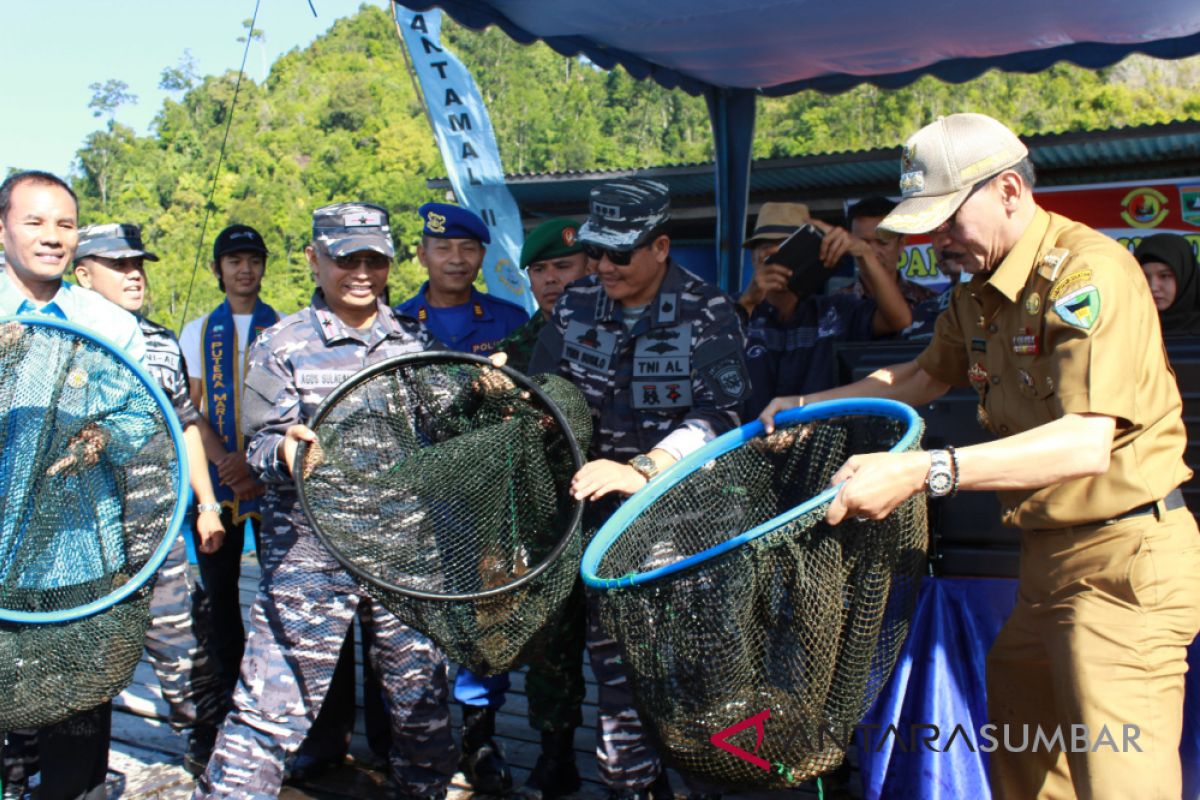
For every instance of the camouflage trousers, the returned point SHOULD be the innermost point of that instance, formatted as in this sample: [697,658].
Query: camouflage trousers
[297,624]
[554,683]
[625,756]
[188,675]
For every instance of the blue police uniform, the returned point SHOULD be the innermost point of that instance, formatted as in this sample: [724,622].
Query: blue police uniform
[477,326]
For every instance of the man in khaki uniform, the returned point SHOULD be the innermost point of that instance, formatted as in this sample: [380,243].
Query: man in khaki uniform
[1057,333]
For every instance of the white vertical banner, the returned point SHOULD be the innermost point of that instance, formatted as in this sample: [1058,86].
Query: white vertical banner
[468,145]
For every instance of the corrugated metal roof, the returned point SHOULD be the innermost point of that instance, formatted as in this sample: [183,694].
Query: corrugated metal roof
[1148,151]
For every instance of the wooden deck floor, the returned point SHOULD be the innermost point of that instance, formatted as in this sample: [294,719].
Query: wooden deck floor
[146,756]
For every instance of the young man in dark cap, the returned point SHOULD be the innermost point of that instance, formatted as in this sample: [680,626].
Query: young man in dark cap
[1057,333]
[553,257]
[110,261]
[306,600]
[657,352]
[466,320]
[461,317]
[215,347]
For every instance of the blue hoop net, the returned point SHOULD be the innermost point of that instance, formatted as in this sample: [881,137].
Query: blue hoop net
[754,634]
[92,493]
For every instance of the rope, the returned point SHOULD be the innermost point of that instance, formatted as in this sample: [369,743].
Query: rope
[208,206]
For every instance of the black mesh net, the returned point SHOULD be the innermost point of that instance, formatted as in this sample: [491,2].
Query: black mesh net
[442,484]
[89,486]
[804,622]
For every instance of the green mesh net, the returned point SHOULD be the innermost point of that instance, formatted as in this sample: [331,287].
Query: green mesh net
[442,485]
[91,489]
[803,622]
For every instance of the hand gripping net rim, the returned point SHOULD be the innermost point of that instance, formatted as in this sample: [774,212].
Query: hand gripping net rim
[629,511]
[427,358]
[179,513]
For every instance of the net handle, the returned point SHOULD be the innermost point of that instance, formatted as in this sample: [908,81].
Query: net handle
[632,508]
[432,357]
[182,501]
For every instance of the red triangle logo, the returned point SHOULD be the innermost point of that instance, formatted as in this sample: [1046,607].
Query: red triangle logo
[758,722]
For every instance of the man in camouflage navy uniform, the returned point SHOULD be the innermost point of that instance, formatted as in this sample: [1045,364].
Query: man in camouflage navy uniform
[657,352]
[110,261]
[306,601]
[554,686]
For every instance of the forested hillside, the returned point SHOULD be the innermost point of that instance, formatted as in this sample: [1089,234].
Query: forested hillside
[340,120]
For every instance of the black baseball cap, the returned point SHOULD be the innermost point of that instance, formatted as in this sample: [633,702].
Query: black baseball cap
[236,239]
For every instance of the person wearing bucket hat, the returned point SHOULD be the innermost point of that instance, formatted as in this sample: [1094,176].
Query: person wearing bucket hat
[792,334]
[553,257]
[109,262]
[1057,332]
[306,601]
[657,353]
[466,320]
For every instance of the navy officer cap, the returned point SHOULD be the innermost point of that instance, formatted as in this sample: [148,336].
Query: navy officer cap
[345,228]
[444,221]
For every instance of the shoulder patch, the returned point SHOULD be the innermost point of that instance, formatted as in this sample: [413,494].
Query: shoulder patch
[1080,307]
[1068,284]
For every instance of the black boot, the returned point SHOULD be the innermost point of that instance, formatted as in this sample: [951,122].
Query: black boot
[482,761]
[199,749]
[554,774]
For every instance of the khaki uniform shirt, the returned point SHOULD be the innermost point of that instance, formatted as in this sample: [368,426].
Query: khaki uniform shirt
[1066,325]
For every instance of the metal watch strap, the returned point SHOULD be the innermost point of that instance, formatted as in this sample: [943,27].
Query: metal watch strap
[202,507]
[940,480]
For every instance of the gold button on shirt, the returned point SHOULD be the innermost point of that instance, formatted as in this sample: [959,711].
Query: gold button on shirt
[1066,325]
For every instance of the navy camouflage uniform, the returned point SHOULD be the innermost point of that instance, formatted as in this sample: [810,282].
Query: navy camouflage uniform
[680,365]
[187,673]
[306,600]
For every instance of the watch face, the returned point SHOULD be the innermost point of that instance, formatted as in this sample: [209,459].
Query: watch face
[939,483]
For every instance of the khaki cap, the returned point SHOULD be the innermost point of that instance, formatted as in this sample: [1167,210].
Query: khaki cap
[942,162]
[776,222]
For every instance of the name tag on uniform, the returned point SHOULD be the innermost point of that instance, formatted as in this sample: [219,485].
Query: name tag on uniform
[589,347]
[157,359]
[321,378]
[662,368]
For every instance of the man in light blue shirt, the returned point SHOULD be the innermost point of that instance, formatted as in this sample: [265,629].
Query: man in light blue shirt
[39,231]
[39,225]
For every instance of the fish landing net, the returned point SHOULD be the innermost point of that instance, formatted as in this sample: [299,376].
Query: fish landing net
[92,495]
[442,485]
[754,634]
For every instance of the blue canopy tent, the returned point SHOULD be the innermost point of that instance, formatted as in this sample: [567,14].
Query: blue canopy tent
[732,50]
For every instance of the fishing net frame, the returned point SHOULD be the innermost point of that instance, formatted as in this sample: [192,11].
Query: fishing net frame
[48,683]
[416,606]
[690,699]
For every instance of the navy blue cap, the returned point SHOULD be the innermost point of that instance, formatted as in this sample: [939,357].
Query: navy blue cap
[444,221]
[236,239]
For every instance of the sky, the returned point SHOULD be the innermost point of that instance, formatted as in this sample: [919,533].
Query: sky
[53,49]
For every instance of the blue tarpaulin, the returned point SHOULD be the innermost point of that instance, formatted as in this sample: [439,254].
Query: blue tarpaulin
[732,50]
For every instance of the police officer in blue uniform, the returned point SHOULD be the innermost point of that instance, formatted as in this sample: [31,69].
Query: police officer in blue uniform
[466,321]
[462,318]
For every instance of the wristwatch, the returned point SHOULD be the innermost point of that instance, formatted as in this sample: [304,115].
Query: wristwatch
[645,466]
[202,507]
[940,479]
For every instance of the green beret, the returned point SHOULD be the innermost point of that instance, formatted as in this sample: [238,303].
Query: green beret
[551,239]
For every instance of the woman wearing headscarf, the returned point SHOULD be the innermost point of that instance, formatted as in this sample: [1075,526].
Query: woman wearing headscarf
[1169,262]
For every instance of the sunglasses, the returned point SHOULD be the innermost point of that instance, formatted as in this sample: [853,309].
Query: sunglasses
[618,258]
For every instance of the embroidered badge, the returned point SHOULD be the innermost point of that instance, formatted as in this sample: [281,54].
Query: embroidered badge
[977,373]
[1033,303]
[911,183]
[435,222]
[568,236]
[1080,308]
[363,219]
[1068,283]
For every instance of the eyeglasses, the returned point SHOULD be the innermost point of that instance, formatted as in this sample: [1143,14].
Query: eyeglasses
[618,258]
